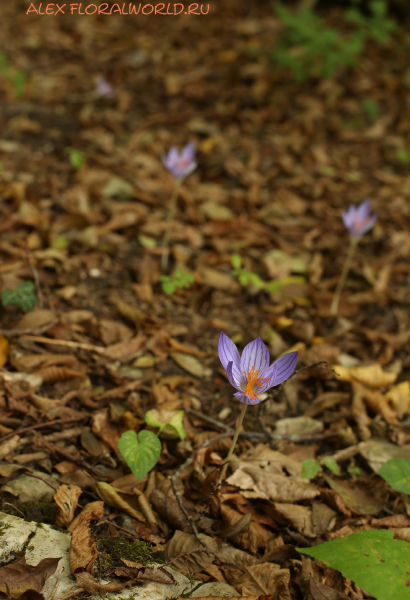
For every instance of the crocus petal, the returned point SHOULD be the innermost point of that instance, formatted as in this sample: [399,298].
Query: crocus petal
[256,355]
[228,351]
[279,371]
[363,211]
[246,399]
[369,224]
[233,377]
[188,153]
[269,375]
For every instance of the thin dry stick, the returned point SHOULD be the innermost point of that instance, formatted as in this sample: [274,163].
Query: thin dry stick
[171,215]
[73,592]
[38,426]
[346,268]
[45,340]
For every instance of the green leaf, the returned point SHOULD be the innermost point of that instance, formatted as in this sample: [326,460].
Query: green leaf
[331,464]
[310,468]
[141,452]
[167,421]
[396,472]
[236,261]
[372,559]
[354,470]
[23,296]
[76,157]
[167,284]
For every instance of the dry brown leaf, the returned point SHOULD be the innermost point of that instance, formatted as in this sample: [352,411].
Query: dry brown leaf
[83,550]
[36,318]
[113,332]
[299,517]
[44,404]
[167,507]
[271,485]
[136,571]
[145,506]
[54,373]
[66,499]
[123,349]
[365,497]
[378,403]
[95,508]
[132,313]
[103,428]
[92,444]
[181,543]
[320,591]
[18,577]
[324,401]
[252,538]
[265,578]
[9,446]
[111,497]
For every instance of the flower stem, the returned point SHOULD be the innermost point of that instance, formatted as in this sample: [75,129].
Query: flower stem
[171,215]
[346,268]
[234,440]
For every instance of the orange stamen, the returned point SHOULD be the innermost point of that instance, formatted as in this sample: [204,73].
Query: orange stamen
[252,380]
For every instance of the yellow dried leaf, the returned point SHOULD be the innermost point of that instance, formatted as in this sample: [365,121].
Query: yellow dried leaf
[399,395]
[66,499]
[4,351]
[372,376]
[111,497]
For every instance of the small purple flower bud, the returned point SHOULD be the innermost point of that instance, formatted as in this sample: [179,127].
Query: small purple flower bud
[358,219]
[180,164]
[104,88]
[251,373]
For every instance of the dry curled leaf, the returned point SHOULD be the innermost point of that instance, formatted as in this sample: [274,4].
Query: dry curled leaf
[83,550]
[265,578]
[136,571]
[91,585]
[95,508]
[371,375]
[18,577]
[66,499]
[54,373]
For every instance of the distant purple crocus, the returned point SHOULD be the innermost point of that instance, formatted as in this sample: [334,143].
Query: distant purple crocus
[358,219]
[251,373]
[104,88]
[180,165]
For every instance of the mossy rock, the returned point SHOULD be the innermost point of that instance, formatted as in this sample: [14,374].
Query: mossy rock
[112,550]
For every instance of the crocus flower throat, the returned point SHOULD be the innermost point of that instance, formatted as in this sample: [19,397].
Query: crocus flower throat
[253,380]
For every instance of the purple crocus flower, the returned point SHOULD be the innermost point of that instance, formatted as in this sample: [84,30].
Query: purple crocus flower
[358,219]
[251,373]
[104,88]
[180,165]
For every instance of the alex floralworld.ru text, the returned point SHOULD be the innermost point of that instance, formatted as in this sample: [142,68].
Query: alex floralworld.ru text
[126,9]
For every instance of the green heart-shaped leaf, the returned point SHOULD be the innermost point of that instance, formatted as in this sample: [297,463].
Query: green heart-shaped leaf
[141,452]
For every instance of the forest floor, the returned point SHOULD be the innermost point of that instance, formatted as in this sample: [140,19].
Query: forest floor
[278,161]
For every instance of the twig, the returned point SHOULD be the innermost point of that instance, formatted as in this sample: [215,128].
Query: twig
[208,502]
[56,585]
[41,479]
[69,343]
[38,426]
[73,592]
[130,535]
[207,419]
[80,463]
[15,508]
